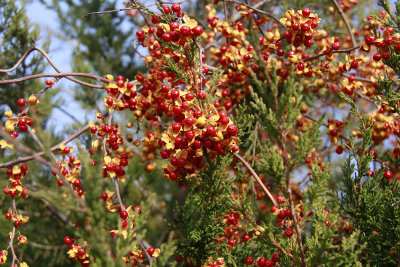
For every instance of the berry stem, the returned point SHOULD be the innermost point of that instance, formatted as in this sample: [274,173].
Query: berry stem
[291,204]
[346,22]
[254,174]
[11,243]
[259,11]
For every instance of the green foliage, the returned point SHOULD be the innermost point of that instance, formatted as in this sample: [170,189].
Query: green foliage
[198,222]
[17,35]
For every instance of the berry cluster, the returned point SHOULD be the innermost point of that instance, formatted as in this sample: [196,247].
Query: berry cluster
[78,252]
[300,26]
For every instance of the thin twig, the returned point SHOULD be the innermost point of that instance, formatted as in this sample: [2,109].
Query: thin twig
[333,52]
[52,149]
[150,258]
[396,203]
[37,76]
[291,204]
[346,22]
[284,251]
[11,243]
[254,174]
[259,11]
[106,12]
[22,59]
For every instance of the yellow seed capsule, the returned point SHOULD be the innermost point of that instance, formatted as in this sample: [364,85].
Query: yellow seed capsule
[269,36]
[150,167]
[201,122]
[129,125]
[136,143]
[220,135]
[32,100]
[109,77]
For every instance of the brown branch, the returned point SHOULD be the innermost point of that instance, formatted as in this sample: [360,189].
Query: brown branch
[40,154]
[333,51]
[291,204]
[346,22]
[11,243]
[225,12]
[259,11]
[37,76]
[257,178]
[273,241]
[150,258]
[106,12]
[22,59]
[359,78]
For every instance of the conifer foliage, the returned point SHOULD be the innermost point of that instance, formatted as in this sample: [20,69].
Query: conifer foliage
[257,133]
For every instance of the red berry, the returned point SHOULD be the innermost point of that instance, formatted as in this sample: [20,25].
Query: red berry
[151,250]
[335,45]
[24,167]
[305,27]
[314,24]
[202,94]
[269,263]
[179,258]
[198,30]
[176,127]
[21,102]
[81,251]
[77,183]
[370,40]
[8,215]
[249,260]
[211,131]
[67,240]
[288,233]
[261,262]
[176,7]
[155,19]
[67,150]
[185,30]
[17,223]
[174,26]
[280,199]
[386,55]
[80,192]
[246,237]
[166,9]
[275,257]
[123,214]
[120,83]
[235,148]
[60,182]
[274,209]
[388,174]
[306,12]
[166,37]
[104,196]
[377,57]
[138,209]
[164,154]
[232,130]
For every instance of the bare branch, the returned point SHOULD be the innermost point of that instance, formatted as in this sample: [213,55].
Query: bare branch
[346,22]
[254,174]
